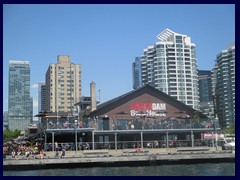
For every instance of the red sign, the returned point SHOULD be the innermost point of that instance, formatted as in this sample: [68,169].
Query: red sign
[208,135]
[148,106]
[141,106]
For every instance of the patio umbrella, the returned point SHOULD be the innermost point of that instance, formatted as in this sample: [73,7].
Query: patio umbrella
[9,142]
[24,142]
[40,139]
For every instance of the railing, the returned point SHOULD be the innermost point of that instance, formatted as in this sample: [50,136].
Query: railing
[137,126]
[70,146]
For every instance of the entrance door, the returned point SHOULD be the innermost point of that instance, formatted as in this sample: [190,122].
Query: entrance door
[105,122]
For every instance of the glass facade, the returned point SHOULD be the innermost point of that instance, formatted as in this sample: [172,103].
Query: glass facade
[20,108]
[224,86]
[41,96]
[205,86]
[137,73]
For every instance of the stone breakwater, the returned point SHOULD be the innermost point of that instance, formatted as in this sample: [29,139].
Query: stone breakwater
[123,158]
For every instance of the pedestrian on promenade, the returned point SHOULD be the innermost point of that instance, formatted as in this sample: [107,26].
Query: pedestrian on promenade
[18,153]
[41,154]
[63,153]
[56,154]
[87,146]
[27,153]
[56,145]
[13,154]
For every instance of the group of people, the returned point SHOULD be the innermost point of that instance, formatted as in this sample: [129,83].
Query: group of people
[32,151]
[57,151]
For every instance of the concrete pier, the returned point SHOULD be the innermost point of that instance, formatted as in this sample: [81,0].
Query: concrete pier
[120,158]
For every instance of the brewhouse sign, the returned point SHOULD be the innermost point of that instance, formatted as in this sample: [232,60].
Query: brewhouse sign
[148,109]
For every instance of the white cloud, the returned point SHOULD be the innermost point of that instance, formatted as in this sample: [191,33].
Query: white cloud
[35,86]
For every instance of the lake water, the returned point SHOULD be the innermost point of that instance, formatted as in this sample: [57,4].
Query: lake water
[204,169]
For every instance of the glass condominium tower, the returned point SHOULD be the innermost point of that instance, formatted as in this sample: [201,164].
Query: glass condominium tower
[41,96]
[19,100]
[170,65]
[137,73]
[223,86]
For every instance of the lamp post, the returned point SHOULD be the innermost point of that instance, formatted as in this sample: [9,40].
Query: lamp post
[192,135]
[214,97]
[215,129]
[75,127]
[171,123]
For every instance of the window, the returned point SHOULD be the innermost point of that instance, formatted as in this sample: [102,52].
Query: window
[179,45]
[160,46]
[178,37]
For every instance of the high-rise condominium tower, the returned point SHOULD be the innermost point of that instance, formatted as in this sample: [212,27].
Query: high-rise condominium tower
[63,85]
[205,85]
[137,73]
[19,100]
[205,93]
[170,65]
[41,96]
[224,86]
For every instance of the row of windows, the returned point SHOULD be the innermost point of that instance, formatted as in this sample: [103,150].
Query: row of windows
[179,84]
[62,107]
[162,46]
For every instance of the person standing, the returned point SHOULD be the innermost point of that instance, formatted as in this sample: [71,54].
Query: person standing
[63,153]
[41,154]
[56,153]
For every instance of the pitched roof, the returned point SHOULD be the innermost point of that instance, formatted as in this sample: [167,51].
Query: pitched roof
[111,104]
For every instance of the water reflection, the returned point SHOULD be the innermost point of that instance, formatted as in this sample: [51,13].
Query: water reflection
[208,169]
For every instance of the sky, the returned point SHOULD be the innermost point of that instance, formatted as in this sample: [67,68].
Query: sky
[105,39]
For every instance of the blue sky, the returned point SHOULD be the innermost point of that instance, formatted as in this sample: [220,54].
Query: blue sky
[105,39]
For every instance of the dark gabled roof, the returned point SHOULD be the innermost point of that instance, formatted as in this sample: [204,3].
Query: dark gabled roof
[60,114]
[111,104]
[113,100]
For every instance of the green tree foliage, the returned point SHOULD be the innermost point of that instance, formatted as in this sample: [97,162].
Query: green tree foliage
[230,130]
[7,134]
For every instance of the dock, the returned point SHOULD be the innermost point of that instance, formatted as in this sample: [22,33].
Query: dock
[120,158]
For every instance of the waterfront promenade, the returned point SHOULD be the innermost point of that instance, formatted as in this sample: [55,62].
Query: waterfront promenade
[127,157]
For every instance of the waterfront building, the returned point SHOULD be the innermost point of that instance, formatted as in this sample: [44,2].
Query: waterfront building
[41,96]
[19,100]
[63,85]
[205,93]
[224,86]
[137,117]
[147,106]
[137,73]
[170,65]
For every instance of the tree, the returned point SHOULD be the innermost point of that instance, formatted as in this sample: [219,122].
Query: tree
[230,130]
[7,134]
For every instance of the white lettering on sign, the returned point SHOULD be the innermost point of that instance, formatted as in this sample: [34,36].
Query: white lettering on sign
[147,113]
[148,106]
[148,109]
[158,106]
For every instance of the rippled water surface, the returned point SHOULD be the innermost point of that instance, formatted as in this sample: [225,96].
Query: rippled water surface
[209,169]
